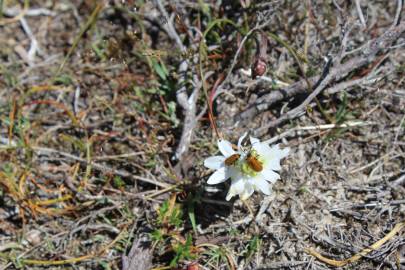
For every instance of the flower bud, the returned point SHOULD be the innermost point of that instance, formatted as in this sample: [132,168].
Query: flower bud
[259,67]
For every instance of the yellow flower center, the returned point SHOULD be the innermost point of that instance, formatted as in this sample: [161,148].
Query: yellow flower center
[247,169]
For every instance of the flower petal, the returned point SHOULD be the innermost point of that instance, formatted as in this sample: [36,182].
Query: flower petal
[247,192]
[262,149]
[269,175]
[271,155]
[237,187]
[285,152]
[281,153]
[263,186]
[214,162]
[238,184]
[230,194]
[275,155]
[241,140]
[230,172]
[254,141]
[226,148]
[218,177]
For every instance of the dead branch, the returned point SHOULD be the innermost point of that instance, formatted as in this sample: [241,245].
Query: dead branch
[360,12]
[188,103]
[370,51]
[100,167]
[138,258]
[362,253]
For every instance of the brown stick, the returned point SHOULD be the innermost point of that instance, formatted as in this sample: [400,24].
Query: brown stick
[362,253]
[369,52]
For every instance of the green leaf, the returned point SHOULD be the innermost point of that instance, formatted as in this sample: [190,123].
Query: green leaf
[182,251]
[219,22]
[118,182]
[341,113]
[63,79]
[160,70]
[191,215]
[157,236]
[105,265]
[253,246]
[297,56]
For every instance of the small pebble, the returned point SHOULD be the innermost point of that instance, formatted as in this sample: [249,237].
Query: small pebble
[34,237]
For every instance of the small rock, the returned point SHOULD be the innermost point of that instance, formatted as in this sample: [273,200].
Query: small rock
[34,237]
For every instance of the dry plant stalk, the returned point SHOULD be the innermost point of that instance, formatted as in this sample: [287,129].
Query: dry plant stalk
[359,255]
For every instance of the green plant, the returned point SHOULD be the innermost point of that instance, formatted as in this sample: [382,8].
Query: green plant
[183,251]
[191,201]
[157,236]
[63,79]
[342,115]
[171,114]
[170,214]
[253,246]
[342,112]
[118,182]
[217,256]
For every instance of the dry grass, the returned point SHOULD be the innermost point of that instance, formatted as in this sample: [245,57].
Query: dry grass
[101,154]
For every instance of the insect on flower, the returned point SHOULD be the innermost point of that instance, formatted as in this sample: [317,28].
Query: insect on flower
[252,166]
[254,163]
[232,159]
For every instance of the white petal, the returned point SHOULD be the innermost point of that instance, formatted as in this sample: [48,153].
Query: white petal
[241,140]
[226,148]
[273,164]
[262,149]
[270,176]
[218,177]
[237,187]
[285,152]
[230,194]
[254,141]
[263,186]
[247,192]
[281,153]
[272,155]
[214,162]
[231,172]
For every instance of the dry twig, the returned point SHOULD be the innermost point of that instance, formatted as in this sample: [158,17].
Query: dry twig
[138,258]
[187,103]
[362,253]
[338,72]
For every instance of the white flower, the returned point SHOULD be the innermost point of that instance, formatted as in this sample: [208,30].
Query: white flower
[217,163]
[246,178]
[263,180]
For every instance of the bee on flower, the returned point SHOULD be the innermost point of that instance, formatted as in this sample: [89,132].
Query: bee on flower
[249,168]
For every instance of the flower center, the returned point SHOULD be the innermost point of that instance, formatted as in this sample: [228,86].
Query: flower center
[247,168]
